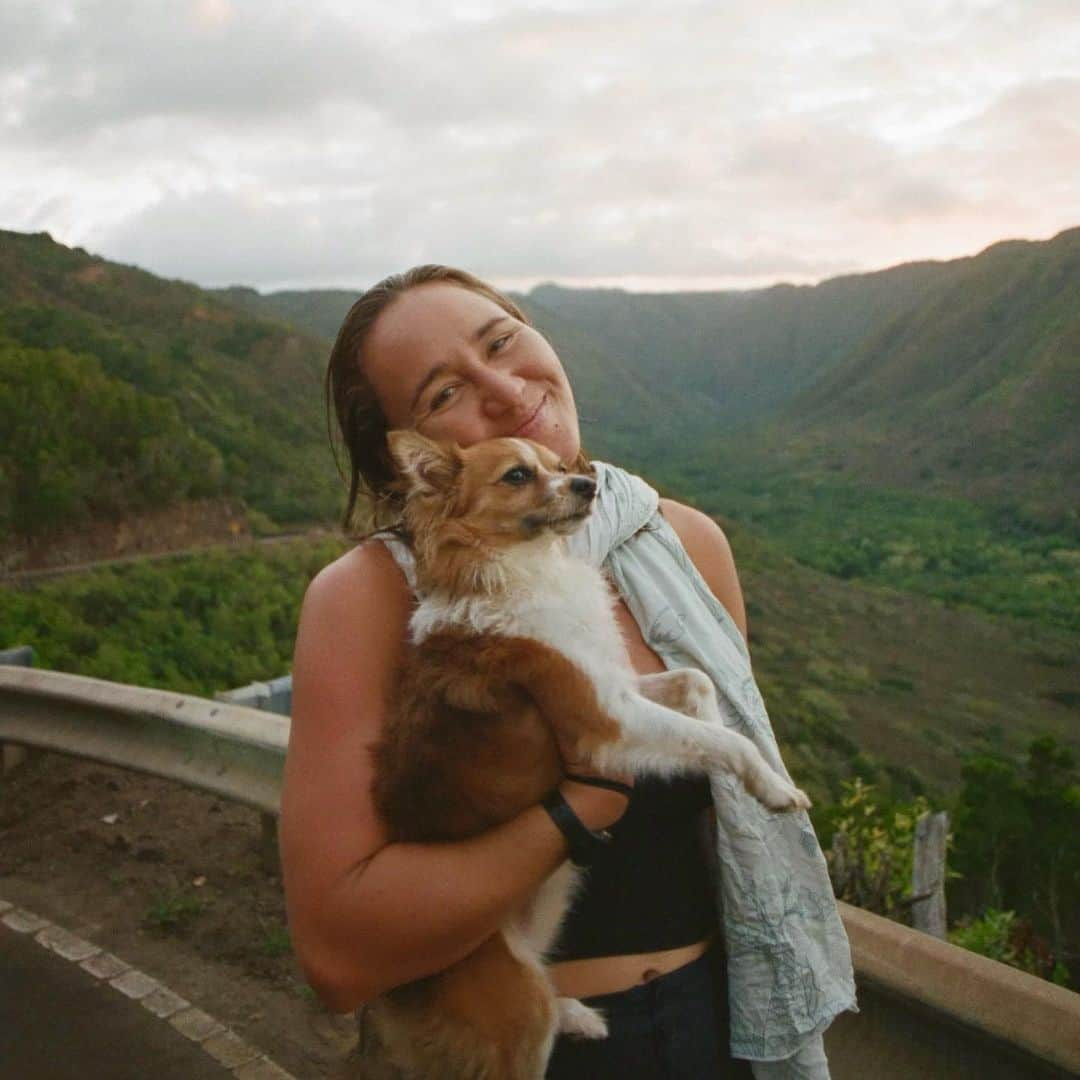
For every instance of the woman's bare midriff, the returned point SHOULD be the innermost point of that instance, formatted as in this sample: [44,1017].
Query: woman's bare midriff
[610,974]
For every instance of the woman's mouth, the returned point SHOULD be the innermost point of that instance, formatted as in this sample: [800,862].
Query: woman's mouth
[531,422]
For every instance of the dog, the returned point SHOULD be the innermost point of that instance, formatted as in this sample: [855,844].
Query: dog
[516,660]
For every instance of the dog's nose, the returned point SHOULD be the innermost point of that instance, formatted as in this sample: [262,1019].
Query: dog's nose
[583,486]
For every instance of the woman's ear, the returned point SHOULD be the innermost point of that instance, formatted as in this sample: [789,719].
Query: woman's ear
[425,466]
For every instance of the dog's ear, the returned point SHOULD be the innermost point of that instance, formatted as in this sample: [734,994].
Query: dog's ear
[425,466]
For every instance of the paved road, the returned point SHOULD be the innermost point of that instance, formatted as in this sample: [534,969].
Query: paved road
[58,1022]
[28,577]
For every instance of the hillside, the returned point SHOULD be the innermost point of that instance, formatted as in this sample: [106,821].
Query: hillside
[744,353]
[124,392]
[315,311]
[959,378]
[975,389]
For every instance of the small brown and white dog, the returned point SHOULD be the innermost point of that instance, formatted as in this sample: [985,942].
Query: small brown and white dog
[515,659]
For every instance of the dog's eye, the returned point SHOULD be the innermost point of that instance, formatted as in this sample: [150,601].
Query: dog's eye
[563,469]
[518,475]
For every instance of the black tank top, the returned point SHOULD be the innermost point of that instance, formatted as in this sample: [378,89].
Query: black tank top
[650,889]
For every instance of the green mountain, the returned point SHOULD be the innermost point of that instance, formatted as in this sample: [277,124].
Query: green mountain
[959,378]
[953,379]
[315,311]
[956,378]
[739,356]
[974,390]
[120,391]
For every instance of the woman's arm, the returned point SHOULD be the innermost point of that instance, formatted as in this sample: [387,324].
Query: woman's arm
[366,915]
[710,552]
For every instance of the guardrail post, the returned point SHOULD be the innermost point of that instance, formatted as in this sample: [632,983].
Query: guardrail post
[11,754]
[928,874]
[274,696]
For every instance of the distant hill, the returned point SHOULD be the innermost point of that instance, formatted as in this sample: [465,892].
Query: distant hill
[974,390]
[959,378]
[744,353]
[126,392]
[315,311]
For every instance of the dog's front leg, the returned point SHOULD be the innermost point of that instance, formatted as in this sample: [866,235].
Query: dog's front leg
[658,740]
[686,690]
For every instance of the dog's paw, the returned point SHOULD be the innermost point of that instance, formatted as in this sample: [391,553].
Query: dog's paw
[579,1021]
[776,793]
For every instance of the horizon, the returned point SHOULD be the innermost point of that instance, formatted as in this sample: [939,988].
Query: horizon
[525,286]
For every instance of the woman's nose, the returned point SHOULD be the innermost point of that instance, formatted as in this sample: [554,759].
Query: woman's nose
[500,391]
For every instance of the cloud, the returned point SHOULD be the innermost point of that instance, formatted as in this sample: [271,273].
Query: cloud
[230,140]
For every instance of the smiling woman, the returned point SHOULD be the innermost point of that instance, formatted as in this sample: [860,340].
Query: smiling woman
[438,351]
[450,356]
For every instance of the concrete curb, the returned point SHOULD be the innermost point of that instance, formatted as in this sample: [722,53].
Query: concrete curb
[244,1061]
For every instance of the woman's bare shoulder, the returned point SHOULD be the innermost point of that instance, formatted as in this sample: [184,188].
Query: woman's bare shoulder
[354,619]
[363,576]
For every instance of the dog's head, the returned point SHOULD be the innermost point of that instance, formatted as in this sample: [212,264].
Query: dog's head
[478,502]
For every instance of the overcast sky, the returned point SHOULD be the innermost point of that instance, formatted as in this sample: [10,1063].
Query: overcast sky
[654,145]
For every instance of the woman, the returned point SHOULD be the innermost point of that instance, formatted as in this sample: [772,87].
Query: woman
[439,351]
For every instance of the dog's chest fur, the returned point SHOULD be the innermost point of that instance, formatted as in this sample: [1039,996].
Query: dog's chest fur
[548,596]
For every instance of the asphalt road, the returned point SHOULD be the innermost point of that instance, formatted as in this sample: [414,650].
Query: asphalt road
[58,1022]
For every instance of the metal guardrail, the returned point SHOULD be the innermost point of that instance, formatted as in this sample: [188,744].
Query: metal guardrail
[227,750]
[928,1008]
[936,1010]
[273,696]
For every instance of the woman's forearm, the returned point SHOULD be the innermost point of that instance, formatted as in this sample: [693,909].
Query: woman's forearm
[414,909]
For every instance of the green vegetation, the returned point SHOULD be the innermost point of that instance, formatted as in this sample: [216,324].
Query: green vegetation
[871,848]
[196,624]
[957,378]
[168,388]
[175,910]
[997,560]
[1015,831]
[1013,878]
[1002,936]
[276,941]
[81,444]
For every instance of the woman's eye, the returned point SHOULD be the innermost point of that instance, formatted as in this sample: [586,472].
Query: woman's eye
[518,475]
[500,343]
[443,396]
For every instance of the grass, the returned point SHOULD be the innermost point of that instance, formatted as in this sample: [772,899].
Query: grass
[174,910]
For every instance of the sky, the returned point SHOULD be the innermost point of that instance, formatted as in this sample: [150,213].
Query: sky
[660,145]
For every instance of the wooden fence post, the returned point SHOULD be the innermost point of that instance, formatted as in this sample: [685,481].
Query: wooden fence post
[928,874]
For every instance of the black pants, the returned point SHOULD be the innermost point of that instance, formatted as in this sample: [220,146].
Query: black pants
[674,1027]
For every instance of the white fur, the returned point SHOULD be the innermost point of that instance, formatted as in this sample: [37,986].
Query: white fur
[551,597]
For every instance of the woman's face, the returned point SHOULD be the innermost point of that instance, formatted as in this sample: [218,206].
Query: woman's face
[453,365]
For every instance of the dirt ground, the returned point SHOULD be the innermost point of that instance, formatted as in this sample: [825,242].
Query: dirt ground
[176,883]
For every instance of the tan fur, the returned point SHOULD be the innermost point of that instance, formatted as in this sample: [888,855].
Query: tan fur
[459,515]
